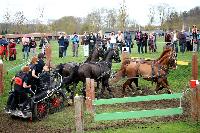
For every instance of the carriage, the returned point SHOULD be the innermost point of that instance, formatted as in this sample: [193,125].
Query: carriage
[48,98]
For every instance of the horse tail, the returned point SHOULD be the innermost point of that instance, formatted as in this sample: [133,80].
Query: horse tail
[117,77]
[121,72]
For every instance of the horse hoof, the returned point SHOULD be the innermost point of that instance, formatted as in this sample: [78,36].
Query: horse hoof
[139,91]
[112,96]
[170,92]
[155,93]
[133,93]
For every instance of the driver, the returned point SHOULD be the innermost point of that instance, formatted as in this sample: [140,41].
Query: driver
[21,88]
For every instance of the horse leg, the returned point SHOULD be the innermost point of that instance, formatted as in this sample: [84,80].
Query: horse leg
[83,90]
[162,83]
[136,81]
[166,85]
[72,92]
[106,84]
[128,83]
[101,91]
[125,85]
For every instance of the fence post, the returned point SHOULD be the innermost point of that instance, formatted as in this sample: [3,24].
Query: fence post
[88,95]
[195,98]
[1,77]
[79,114]
[92,91]
[48,55]
[198,102]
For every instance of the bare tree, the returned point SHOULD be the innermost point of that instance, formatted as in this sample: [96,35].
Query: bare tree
[19,21]
[7,20]
[123,15]
[110,19]
[151,15]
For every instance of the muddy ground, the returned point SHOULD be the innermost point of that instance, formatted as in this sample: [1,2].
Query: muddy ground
[18,125]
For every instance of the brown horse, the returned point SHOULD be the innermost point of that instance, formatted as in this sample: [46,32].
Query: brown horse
[128,83]
[155,71]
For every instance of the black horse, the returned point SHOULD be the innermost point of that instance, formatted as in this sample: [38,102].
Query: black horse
[95,55]
[99,71]
[68,70]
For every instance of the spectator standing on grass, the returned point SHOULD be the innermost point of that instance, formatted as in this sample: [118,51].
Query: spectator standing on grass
[175,41]
[92,39]
[128,40]
[32,46]
[144,41]
[155,39]
[61,45]
[99,39]
[12,50]
[138,38]
[198,39]
[182,41]
[66,44]
[112,39]
[151,43]
[86,43]
[43,42]
[120,40]
[25,49]
[194,32]
[75,44]
[3,48]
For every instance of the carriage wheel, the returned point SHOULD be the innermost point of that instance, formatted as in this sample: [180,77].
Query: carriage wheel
[57,102]
[40,110]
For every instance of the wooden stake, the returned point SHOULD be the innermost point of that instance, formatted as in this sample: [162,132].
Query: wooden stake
[195,92]
[1,77]
[79,114]
[88,95]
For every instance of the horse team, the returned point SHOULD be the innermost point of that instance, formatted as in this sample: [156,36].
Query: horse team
[100,70]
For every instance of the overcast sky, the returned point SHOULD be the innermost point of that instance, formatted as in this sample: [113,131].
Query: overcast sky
[54,9]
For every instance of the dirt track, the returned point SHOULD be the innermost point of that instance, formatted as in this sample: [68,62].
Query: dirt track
[18,125]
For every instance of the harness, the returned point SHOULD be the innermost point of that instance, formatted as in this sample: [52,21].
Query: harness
[19,79]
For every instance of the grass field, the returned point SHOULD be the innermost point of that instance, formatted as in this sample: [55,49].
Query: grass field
[178,80]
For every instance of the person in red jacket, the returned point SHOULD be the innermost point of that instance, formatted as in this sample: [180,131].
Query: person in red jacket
[12,50]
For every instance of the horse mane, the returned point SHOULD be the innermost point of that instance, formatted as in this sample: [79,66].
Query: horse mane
[163,58]
[164,52]
[90,56]
[106,53]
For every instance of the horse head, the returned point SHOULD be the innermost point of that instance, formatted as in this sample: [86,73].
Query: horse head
[173,60]
[112,54]
[59,69]
[169,60]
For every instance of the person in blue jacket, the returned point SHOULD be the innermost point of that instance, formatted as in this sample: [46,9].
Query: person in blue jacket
[3,48]
[75,43]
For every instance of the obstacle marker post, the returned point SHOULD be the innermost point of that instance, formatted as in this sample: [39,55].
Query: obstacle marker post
[195,98]
[1,77]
